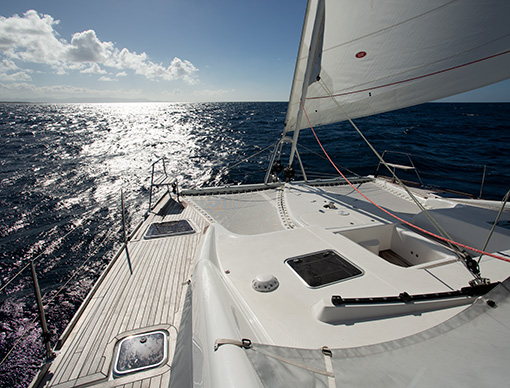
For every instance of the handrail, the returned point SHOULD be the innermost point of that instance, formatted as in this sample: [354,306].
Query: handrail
[412,166]
[164,181]
[395,166]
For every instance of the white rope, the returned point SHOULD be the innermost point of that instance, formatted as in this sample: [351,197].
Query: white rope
[246,344]
[296,364]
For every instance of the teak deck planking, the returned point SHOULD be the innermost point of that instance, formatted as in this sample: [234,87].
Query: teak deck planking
[124,304]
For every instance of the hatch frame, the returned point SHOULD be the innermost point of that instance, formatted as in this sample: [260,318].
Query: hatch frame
[341,260]
[121,342]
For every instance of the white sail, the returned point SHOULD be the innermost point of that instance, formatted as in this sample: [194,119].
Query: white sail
[382,55]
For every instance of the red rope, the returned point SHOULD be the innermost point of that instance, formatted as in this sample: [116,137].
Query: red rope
[388,212]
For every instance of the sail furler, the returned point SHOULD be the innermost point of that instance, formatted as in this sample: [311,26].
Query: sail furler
[389,54]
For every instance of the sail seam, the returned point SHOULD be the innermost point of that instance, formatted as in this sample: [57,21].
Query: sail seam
[409,79]
[393,25]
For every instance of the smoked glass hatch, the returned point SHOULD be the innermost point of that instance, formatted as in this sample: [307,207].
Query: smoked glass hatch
[140,352]
[169,228]
[322,268]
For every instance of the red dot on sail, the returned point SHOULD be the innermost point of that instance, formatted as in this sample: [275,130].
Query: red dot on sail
[361,54]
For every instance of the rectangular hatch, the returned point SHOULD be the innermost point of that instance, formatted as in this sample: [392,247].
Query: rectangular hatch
[169,228]
[322,268]
[140,352]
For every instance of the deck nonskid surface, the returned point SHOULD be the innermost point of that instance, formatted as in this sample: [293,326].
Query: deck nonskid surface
[261,230]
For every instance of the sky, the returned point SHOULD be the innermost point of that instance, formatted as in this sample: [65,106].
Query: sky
[156,50]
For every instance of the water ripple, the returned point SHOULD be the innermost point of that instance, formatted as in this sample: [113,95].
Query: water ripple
[63,166]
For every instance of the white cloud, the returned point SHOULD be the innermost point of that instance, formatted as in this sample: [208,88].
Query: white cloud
[20,90]
[33,39]
[9,71]
[86,47]
[8,65]
[183,69]
[107,79]
[178,69]
[94,68]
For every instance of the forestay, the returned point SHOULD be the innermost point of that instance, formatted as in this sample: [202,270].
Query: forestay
[369,57]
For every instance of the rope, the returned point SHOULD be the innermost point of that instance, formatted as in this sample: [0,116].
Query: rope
[247,344]
[30,326]
[397,179]
[449,241]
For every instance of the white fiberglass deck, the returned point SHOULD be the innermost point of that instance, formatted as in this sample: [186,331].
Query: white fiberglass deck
[318,218]
[244,234]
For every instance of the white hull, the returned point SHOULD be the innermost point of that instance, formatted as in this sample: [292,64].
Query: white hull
[253,232]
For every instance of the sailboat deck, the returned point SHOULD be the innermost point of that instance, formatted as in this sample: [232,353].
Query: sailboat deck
[123,304]
[256,231]
[298,204]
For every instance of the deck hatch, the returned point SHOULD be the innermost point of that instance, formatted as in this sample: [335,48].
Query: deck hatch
[322,268]
[140,352]
[169,228]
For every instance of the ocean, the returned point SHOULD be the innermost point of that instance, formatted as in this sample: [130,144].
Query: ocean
[63,167]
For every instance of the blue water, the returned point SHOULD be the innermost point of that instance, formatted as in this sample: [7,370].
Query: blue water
[63,167]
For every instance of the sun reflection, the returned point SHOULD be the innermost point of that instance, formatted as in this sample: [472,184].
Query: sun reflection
[65,166]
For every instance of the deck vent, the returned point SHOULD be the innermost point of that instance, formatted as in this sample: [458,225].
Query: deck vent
[322,268]
[265,283]
[169,228]
[140,352]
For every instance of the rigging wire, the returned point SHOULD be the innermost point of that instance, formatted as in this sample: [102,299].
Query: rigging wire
[52,298]
[383,162]
[40,255]
[34,260]
[30,326]
[255,154]
[14,277]
[323,157]
[107,236]
[447,240]
[505,199]
[83,218]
